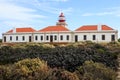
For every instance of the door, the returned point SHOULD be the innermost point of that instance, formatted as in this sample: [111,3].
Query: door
[4,39]
[112,37]
[30,38]
[51,38]
[76,38]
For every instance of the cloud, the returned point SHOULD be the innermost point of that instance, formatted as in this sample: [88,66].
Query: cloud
[50,7]
[25,13]
[87,14]
[55,0]
[13,12]
[60,0]
[16,24]
[114,11]
[98,14]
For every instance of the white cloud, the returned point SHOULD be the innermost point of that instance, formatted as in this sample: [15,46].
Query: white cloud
[55,0]
[104,13]
[48,6]
[14,12]
[25,13]
[45,5]
[87,14]
[115,11]
[16,24]
[22,12]
[60,0]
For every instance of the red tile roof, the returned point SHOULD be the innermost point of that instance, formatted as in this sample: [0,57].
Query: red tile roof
[54,28]
[19,30]
[90,27]
[93,27]
[105,27]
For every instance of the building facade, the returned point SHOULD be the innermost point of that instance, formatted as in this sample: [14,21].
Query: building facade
[61,34]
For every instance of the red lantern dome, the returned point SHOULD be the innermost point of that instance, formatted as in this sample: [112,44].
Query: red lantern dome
[61,18]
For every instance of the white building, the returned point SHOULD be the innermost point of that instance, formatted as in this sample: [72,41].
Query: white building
[61,34]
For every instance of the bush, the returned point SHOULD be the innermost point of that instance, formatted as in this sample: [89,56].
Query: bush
[67,57]
[95,71]
[119,40]
[5,72]
[0,40]
[28,69]
[60,74]
[34,69]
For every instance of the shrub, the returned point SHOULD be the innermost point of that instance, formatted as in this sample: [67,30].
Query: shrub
[119,40]
[28,69]
[5,72]
[67,57]
[60,74]
[0,40]
[34,69]
[95,71]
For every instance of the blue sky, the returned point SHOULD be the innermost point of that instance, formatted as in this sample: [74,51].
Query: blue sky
[42,13]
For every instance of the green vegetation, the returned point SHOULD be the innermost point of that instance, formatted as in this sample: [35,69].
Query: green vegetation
[95,71]
[34,69]
[0,41]
[76,61]
[119,40]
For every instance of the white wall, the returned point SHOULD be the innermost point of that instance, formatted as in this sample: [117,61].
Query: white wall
[64,34]
[19,37]
[98,36]
[52,34]
[38,36]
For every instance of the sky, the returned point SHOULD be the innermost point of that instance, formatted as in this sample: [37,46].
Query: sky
[39,14]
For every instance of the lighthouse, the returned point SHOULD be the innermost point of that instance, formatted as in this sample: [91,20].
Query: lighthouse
[61,20]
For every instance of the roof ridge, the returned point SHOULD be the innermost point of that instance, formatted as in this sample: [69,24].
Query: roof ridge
[90,25]
[55,28]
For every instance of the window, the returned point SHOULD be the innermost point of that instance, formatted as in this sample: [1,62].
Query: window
[84,37]
[10,38]
[61,37]
[112,37]
[47,37]
[36,37]
[103,37]
[55,37]
[41,38]
[16,38]
[23,38]
[67,37]
[94,37]
[4,38]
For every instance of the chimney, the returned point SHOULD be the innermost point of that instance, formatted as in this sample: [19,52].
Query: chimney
[14,30]
[99,27]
